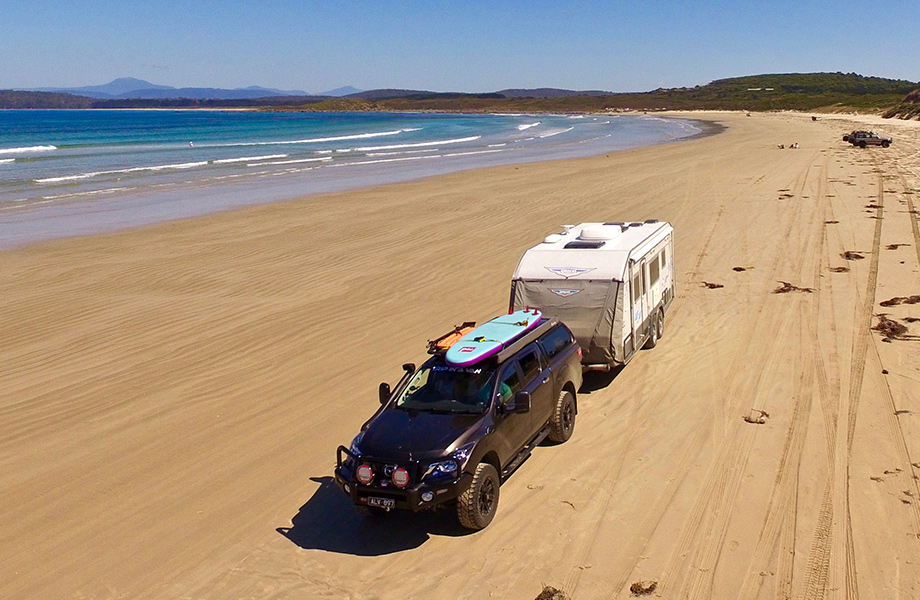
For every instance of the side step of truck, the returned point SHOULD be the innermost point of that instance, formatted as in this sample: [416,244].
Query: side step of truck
[524,454]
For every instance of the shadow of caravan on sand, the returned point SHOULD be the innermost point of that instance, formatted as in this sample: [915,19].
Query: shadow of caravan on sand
[330,522]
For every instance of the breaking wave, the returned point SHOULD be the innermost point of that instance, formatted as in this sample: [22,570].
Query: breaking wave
[27,149]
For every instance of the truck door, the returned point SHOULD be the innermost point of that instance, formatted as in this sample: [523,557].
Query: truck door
[538,380]
[513,429]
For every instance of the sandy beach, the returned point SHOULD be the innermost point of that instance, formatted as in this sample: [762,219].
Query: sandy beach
[171,397]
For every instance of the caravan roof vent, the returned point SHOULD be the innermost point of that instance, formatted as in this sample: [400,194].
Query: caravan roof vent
[651,221]
[583,244]
[599,232]
[553,238]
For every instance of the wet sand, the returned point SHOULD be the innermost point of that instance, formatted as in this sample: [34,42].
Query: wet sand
[171,397]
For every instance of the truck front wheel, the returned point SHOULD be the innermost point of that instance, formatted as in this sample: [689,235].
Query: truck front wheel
[477,505]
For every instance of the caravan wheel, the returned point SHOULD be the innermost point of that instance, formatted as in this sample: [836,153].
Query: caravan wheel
[657,326]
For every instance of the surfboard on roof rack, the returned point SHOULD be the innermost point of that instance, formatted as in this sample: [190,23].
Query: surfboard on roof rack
[491,337]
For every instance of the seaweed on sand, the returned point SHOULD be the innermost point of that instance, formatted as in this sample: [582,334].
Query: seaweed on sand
[889,328]
[788,287]
[551,593]
[641,588]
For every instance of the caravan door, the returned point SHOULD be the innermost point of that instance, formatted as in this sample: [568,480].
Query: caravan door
[638,295]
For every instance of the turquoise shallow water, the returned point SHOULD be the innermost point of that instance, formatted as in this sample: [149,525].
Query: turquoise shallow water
[68,173]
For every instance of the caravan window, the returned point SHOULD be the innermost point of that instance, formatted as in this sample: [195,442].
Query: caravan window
[653,272]
[636,288]
[664,257]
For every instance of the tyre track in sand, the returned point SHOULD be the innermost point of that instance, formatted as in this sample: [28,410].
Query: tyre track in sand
[832,565]
[699,545]
[778,533]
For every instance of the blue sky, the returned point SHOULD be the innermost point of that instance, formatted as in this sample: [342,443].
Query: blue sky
[470,46]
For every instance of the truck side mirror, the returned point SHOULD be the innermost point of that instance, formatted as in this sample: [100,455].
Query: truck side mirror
[520,404]
[409,367]
[384,392]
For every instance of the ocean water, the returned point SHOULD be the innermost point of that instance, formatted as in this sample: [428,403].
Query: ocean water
[66,173]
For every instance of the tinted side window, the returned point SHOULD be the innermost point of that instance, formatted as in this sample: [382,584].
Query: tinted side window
[509,384]
[555,341]
[530,364]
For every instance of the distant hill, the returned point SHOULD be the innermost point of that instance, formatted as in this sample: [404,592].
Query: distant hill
[130,88]
[339,92]
[17,99]
[827,92]
[549,93]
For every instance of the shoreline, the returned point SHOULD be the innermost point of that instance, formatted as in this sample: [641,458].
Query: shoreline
[106,211]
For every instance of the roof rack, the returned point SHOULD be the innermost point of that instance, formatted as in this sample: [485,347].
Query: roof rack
[441,344]
[509,351]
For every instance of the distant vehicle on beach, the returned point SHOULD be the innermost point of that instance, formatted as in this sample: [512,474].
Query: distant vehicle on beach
[867,138]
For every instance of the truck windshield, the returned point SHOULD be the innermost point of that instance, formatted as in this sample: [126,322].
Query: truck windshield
[443,388]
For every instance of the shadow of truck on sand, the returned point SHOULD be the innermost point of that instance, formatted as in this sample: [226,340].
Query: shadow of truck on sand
[330,522]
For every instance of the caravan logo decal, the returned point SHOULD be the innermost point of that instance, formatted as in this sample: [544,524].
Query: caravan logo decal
[565,293]
[567,272]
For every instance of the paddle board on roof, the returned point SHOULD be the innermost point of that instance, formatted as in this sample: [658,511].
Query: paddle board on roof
[491,337]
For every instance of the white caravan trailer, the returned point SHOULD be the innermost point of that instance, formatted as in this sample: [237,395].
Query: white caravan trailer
[611,283]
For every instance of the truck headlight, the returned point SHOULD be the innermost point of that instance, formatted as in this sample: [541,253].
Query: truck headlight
[449,468]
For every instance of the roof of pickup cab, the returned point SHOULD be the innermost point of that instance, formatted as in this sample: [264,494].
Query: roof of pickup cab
[590,251]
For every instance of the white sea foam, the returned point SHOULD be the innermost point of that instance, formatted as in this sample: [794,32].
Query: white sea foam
[26,149]
[527,126]
[337,138]
[403,152]
[472,152]
[557,132]
[419,144]
[296,161]
[248,159]
[388,160]
[120,172]
[4,161]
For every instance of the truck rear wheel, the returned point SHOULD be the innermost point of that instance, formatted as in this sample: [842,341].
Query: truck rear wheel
[477,505]
[562,423]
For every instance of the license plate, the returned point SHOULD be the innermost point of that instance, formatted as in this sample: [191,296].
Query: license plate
[386,503]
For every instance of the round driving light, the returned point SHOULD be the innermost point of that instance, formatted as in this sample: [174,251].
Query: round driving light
[400,478]
[427,496]
[365,474]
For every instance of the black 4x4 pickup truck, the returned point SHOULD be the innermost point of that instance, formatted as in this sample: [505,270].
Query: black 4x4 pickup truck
[450,435]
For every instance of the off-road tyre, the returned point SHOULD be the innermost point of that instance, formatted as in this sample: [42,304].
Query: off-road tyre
[885,144]
[862,144]
[562,423]
[477,505]
[657,326]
